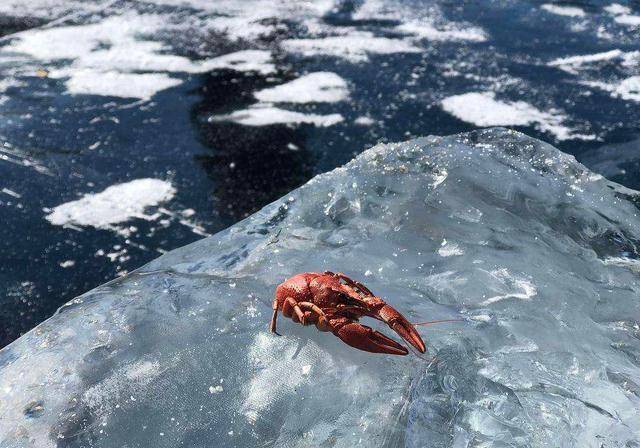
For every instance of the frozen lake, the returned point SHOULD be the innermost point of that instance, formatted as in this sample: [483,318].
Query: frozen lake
[131,128]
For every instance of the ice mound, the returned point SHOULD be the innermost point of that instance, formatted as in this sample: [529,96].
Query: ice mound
[538,256]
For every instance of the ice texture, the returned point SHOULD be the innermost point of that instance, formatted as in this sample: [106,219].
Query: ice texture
[536,254]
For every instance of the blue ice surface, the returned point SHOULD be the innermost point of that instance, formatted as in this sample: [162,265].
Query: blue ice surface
[536,254]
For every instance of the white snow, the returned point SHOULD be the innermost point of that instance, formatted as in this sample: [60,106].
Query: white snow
[116,204]
[364,121]
[622,15]
[627,19]
[424,21]
[215,389]
[10,192]
[482,109]
[448,249]
[266,114]
[627,89]
[243,61]
[426,30]
[617,8]
[318,87]
[573,64]
[123,85]
[48,9]
[513,287]
[354,47]
[117,56]
[569,11]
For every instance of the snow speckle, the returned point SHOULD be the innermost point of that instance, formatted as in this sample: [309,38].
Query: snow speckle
[318,87]
[67,264]
[364,121]
[448,249]
[266,114]
[116,204]
[215,389]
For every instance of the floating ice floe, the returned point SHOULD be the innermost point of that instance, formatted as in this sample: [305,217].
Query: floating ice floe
[124,85]
[561,10]
[117,57]
[243,61]
[318,87]
[423,21]
[425,30]
[574,64]
[623,15]
[114,205]
[483,109]
[266,114]
[355,46]
[627,89]
[364,121]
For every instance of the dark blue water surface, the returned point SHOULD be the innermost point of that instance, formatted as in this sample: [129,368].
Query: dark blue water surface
[58,144]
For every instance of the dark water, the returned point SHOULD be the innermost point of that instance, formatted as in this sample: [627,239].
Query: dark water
[56,146]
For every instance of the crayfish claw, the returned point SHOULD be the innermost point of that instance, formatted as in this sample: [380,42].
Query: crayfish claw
[369,340]
[402,326]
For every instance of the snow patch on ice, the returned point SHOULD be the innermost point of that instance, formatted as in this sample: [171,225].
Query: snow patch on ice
[482,109]
[122,386]
[514,287]
[318,87]
[448,249]
[266,385]
[266,114]
[625,262]
[116,204]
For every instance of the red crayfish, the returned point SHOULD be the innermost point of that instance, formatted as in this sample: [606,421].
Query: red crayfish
[335,302]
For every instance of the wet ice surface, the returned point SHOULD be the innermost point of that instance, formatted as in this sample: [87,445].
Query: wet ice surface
[538,256]
[235,102]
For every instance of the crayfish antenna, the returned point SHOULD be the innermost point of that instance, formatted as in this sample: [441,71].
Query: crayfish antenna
[439,321]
